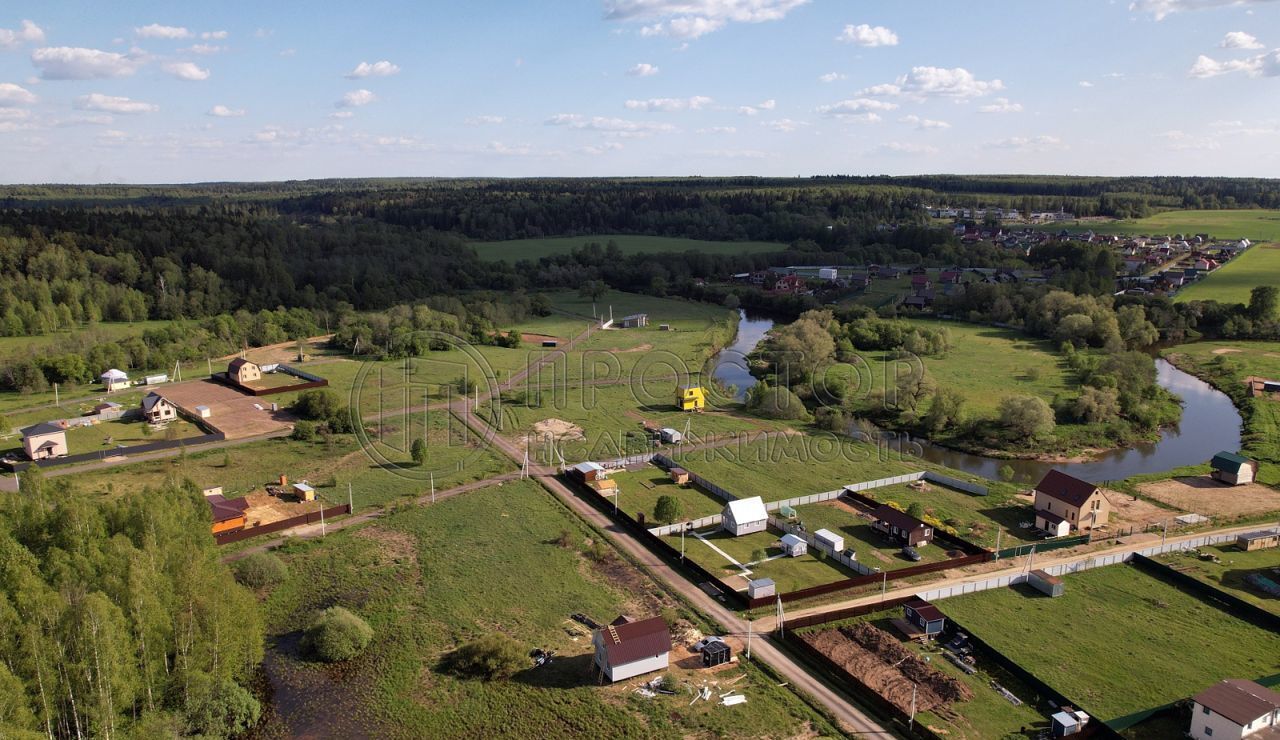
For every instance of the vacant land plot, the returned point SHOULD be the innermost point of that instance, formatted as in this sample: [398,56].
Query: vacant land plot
[641,489]
[1231,283]
[1121,625]
[231,412]
[1232,570]
[737,560]
[435,576]
[1254,224]
[535,249]
[1203,495]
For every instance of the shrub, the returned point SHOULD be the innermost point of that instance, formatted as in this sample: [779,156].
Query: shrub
[304,431]
[337,634]
[667,509]
[492,656]
[260,570]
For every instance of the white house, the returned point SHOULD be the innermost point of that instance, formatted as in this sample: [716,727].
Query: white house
[115,380]
[745,516]
[1234,708]
[44,440]
[829,539]
[793,546]
[627,649]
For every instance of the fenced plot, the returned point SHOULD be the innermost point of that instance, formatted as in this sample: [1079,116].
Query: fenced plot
[735,560]
[231,412]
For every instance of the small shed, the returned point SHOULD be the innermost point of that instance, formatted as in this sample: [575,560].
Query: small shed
[671,436]
[1046,584]
[793,546]
[303,492]
[634,321]
[1260,540]
[114,379]
[760,588]
[604,485]
[680,476]
[1052,523]
[745,516]
[716,653]
[924,615]
[156,379]
[829,539]
[1067,723]
[203,411]
[1233,469]
[586,472]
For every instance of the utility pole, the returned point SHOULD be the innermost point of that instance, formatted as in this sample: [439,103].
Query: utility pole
[322,519]
[1165,536]
[682,529]
[56,402]
[911,722]
[209,362]
[750,623]
[884,586]
[433,488]
[781,617]
[999,531]
[351,509]
[1031,558]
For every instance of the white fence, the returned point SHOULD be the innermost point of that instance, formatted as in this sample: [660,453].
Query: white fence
[838,557]
[705,521]
[813,498]
[637,459]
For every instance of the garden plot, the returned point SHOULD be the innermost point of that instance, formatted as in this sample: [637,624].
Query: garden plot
[736,560]
[1239,573]
[873,549]
[639,491]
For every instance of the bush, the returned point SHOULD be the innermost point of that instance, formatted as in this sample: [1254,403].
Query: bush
[667,510]
[337,634]
[493,656]
[304,431]
[775,402]
[260,570]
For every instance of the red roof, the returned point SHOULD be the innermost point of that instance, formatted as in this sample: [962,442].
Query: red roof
[926,611]
[1066,488]
[1238,700]
[226,509]
[627,643]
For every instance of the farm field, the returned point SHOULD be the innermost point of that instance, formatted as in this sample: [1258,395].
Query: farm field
[1252,224]
[1229,575]
[1122,624]
[405,576]
[1231,283]
[636,496]
[788,573]
[535,249]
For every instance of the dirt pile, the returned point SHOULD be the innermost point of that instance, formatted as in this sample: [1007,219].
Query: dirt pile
[892,651]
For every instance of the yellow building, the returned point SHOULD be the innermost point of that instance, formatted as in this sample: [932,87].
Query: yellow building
[690,398]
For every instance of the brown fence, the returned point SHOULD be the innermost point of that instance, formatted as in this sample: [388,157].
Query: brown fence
[225,538]
[885,577]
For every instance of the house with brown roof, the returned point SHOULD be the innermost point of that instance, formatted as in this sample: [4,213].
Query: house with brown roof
[901,527]
[627,649]
[228,514]
[1235,708]
[1066,504]
[243,371]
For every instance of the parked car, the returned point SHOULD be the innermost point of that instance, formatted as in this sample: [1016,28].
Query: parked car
[701,645]
[910,553]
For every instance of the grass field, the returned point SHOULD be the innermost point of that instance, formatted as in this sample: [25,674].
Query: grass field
[1255,224]
[641,489]
[874,549]
[1119,642]
[535,249]
[430,579]
[1229,575]
[975,518]
[788,573]
[1231,283]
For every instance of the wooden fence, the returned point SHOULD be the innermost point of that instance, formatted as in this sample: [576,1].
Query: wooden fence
[223,538]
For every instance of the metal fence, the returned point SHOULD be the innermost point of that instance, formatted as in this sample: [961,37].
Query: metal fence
[705,521]
[831,554]
[310,517]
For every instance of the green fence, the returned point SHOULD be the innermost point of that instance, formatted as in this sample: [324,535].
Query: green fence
[1054,544]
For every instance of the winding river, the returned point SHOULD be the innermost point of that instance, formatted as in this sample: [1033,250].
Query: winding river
[1209,423]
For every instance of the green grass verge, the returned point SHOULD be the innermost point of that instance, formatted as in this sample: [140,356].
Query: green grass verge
[1231,283]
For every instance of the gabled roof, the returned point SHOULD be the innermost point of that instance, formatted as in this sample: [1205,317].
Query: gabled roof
[43,427]
[899,519]
[226,509]
[1065,488]
[238,363]
[928,612]
[1239,700]
[588,467]
[151,399]
[1050,517]
[1229,462]
[627,643]
[114,374]
[747,510]
[789,540]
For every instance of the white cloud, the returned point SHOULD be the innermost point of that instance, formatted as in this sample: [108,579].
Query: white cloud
[1164,8]
[957,82]
[690,19]
[866,35]
[484,120]
[13,114]
[342,114]
[12,95]
[377,69]
[1028,144]
[899,147]
[718,130]
[29,33]
[602,148]
[669,105]
[1085,83]
[157,31]
[831,77]
[186,71]
[642,69]
[734,153]
[1001,105]
[222,111]
[74,63]
[846,108]
[1206,67]
[887,90]
[113,104]
[205,49]
[751,110]
[214,35]
[784,125]
[356,99]
[1240,40]
[924,123]
[614,126]
[1181,141]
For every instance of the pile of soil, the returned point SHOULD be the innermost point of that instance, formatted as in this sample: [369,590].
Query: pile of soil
[893,651]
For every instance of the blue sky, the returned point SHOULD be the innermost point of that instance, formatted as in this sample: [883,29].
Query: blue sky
[177,92]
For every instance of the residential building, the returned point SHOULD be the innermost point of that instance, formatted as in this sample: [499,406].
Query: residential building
[793,546]
[1234,708]
[924,615]
[228,514]
[690,398]
[627,649]
[745,516]
[243,371]
[901,527]
[44,440]
[1062,498]
[1233,469]
[157,409]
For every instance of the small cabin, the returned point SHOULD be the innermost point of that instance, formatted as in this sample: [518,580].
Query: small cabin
[690,398]
[716,653]
[1046,584]
[303,492]
[901,527]
[1067,723]
[760,588]
[793,546]
[670,436]
[1261,540]
[1233,469]
[586,472]
[745,516]
[243,371]
[115,380]
[680,476]
[626,649]
[634,321]
[829,540]
[925,616]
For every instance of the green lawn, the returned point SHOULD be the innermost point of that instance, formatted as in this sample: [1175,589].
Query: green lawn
[127,434]
[1119,642]
[874,549]
[533,249]
[788,573]
[1253,224]
[641,489]
[1229,574]
[430,579]
[975,518]
[1231,283]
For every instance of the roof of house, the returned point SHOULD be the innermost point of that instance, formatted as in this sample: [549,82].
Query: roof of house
[747,510]
[238,363]
[1239,700]
[43,427]
[627,643]
[1261,534]
[151,399]
[927,611]
[1049,516]
[1068,489]
[790,540]
[114,374]
[634,316]
[588,467]
[226,509]
[1229,462]
[899,519]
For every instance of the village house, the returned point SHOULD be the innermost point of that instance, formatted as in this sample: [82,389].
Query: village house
[793,546]
[925,616]
[243,371]
[625,649]
[1233,469]
[901,527]
[44,440]
[114,380]
[1234,708]
[745,516]
[587,472]
[1061,499]
[228,514]
[1260,540]
[157,409]
[793,284]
